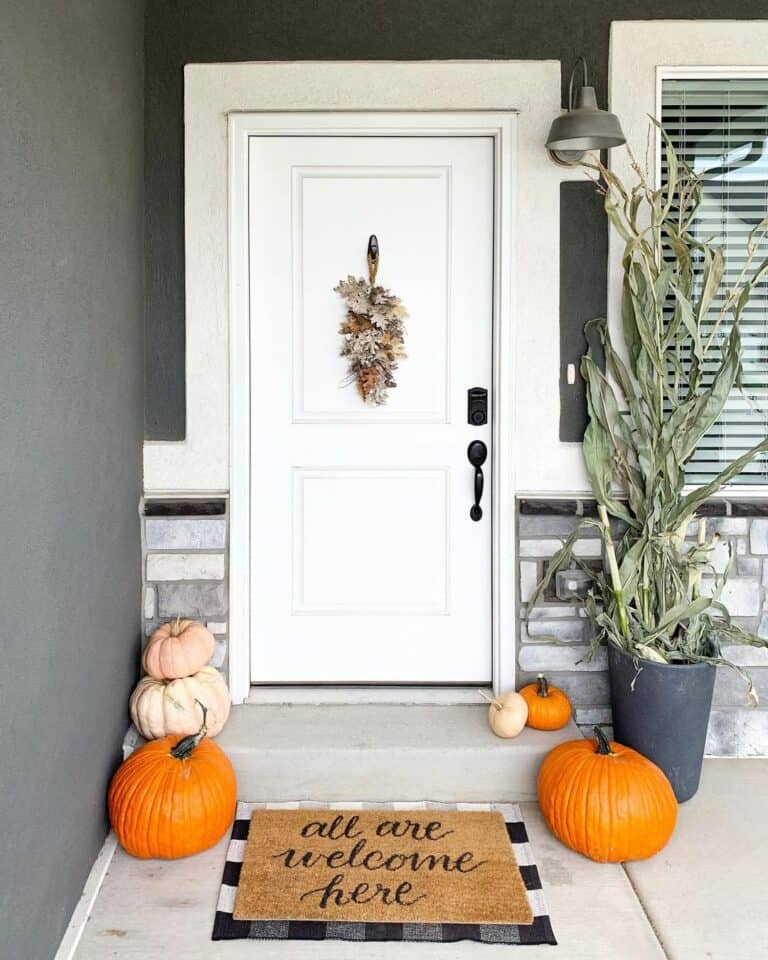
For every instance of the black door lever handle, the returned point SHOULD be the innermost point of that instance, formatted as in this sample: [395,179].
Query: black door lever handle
[476,454]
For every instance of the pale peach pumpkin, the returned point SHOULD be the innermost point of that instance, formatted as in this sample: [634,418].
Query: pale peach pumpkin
[177,649]
[507,714]
[160,708]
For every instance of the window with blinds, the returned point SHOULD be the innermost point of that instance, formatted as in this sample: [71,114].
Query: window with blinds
[719,126]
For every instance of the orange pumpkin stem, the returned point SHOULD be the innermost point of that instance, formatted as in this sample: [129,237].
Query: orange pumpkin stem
[603,746]
[175,631]
[542,687]
[186,745]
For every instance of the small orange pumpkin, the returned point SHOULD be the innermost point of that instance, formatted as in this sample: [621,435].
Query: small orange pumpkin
[548,707]
[177,649]
[172,798]
[605,800]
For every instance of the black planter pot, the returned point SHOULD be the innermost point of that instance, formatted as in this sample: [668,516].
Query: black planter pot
[665,716]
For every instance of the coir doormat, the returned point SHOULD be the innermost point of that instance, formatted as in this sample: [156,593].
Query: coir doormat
[406,871]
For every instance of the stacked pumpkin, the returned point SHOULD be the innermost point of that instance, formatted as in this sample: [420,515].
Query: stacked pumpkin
[176,795]
[177,678]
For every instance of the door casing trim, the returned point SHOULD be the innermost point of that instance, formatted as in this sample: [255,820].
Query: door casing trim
[501,127]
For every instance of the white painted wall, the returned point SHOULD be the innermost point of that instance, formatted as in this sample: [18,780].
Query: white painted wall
[200,463]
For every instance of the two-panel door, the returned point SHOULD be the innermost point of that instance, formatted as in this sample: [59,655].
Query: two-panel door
[366,566]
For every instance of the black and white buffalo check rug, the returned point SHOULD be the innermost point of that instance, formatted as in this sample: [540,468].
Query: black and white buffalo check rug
[225,927]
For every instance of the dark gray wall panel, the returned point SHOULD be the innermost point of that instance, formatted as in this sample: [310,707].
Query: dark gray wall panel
[583,265]
[222,30]
[71,399]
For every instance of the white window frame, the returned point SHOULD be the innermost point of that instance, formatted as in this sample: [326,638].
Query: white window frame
[735,490]
[698,73]
[642,52]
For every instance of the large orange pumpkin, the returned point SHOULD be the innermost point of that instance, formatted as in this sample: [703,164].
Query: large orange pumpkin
[177,649]
[548,707]
[172,798]
[605,800]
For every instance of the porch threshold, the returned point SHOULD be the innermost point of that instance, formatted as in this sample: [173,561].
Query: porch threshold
[406,694]
[381,752]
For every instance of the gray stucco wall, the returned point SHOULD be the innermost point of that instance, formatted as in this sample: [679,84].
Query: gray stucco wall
[222,30]
[71,414]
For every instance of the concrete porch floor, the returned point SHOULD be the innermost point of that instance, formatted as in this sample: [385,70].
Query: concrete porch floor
[701,897]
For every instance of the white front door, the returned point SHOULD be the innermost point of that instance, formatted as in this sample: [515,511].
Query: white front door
[366,566]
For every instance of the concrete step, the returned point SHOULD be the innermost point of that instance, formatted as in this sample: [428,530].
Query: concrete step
[381,752]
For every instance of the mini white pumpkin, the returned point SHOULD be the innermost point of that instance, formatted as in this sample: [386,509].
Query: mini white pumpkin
[507,714]
[162,707]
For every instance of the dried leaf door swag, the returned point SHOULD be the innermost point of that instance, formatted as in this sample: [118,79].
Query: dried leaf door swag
[373,332]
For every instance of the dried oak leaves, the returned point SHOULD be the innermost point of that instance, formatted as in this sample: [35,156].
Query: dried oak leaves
[373,335]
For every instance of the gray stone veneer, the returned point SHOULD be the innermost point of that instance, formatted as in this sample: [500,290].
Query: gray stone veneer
[734,729]
[185,561]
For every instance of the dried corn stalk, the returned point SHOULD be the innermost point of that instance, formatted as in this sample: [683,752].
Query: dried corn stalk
[649,407]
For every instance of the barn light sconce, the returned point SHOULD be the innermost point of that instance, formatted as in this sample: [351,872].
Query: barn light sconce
[584,127]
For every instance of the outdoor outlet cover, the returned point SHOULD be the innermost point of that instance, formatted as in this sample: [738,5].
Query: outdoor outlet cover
[572,584]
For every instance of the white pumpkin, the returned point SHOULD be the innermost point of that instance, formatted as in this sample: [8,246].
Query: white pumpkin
[507,714]
[162,707]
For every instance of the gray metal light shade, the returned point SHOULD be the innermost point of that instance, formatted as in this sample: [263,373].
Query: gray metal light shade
[584,127]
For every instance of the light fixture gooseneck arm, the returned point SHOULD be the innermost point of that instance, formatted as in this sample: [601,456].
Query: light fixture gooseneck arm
[583,62]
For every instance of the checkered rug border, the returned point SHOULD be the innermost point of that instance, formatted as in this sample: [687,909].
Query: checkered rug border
[225,927]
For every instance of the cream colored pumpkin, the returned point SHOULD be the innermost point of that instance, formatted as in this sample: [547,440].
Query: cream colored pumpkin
[177,649]
[162,707]
[507,714]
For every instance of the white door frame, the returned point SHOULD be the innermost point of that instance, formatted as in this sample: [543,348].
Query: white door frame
[501,127]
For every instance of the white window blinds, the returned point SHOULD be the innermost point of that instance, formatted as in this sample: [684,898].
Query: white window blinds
[719,126]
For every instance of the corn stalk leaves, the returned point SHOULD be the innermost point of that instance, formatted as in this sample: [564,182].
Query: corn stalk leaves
[685,312]
[684,611]
[692,418]
[648,653]
[560,560]
[692,501]
[714,268]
